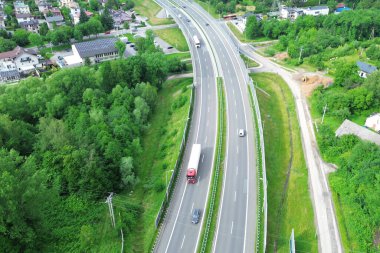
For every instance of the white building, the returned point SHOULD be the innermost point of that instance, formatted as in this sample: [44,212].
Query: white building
[373,122]
[21,7]
[316,10]
[95,50]
[23,17]
[365,69]
[20,59]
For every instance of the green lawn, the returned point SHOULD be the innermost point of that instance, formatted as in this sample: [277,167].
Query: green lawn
[161,144]
[149,9]
[249,62]
[174,37]
[241,36]
[208,7]
[289,204]
[181,56]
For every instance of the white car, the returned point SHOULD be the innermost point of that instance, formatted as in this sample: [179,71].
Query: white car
[241,132]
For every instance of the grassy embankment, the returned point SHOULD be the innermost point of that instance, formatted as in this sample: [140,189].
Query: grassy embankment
[149,9]
[289,204]
[249,62]
[208,7]
[241,36]
[174,37]
[161,143]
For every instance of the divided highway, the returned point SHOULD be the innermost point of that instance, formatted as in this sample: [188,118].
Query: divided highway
[236,226]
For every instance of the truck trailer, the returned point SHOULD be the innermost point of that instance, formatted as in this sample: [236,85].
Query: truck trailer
[192,168]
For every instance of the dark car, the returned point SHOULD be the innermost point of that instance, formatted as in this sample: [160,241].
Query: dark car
[60,58]
[132,45]
[206,24]
[196,216]
[183,6]
[188,20]
[170,47]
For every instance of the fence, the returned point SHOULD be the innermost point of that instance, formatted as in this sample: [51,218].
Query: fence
[261,214]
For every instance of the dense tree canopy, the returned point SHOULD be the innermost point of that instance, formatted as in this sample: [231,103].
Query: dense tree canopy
[67,141]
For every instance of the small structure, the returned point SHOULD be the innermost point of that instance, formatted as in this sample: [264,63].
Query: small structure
[31,25]
[23,17]
[120,17]
[58,20]
[21,7]
[365,69]
[290,12]
[349,127]
[9,76]
[68,4]
[373,122]
[44,6]
[341,9]
[96,51]
[316,10]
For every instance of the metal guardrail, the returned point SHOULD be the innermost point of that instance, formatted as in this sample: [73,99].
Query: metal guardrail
[262,212]
[217,166]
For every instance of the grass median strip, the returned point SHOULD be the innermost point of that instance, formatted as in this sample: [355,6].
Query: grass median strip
[289,204]
[211,212]
[174,37]
[149,9]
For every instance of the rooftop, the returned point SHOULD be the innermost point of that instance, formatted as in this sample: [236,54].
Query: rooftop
[316,8]
[365,67]
[16,52]
[9,73]
[94,47]
[349,127]
[51,19]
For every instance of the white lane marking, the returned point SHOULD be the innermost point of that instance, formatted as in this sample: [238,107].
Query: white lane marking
[208,108]
[229,71]
[208,97]
[199,179]
[183,240]
[234,198]
[206,67]
[203,157]
[207,123]
[236,115]
[232,226]
[237,149]
[206,139]
[233,91]
[192,208]
[237,170]
[235,101]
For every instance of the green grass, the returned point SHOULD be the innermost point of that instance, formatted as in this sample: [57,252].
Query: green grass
[240,36]
[149,9]
[217,179]
[161,143]
[130,37]
[46,52]
[181,56]
[174,37]
[249,62]
[209,8]
[289,204]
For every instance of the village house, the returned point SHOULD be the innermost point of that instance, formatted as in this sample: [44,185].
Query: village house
[316,10]
[44,6]
[20,60]
[23,17]
[365,69]
[57,20]
[31,25]
[68,4]
[373,122]
[120,17]
[21,7]
[2,22]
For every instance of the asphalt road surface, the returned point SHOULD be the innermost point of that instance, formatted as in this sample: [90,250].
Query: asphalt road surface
[236,227]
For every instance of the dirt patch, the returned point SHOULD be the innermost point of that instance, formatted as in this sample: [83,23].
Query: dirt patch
[281,56]
[310,81]
[376,239]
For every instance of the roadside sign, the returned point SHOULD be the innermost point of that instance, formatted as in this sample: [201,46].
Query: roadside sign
[292,243]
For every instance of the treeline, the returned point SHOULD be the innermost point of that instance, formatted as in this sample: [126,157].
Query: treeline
[66,142]
[309,35]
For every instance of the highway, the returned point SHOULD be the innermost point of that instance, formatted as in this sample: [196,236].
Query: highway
[178,234]
[236,226]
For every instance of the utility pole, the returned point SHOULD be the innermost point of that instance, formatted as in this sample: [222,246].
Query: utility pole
[324,112]
[299,59]
[110,207]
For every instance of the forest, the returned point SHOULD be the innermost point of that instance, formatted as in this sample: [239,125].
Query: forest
[314,37]
[67,141]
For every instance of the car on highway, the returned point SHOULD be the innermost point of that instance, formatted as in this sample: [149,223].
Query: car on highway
[188,20]
[206,24]
[241,132]
[196,216]
[60,57]
[170,47]
[183,6]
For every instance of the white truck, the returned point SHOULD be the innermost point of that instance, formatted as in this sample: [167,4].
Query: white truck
[192,168]
[196,41]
